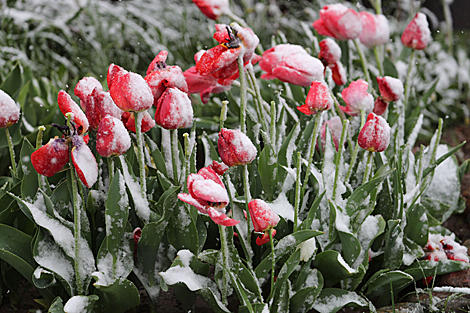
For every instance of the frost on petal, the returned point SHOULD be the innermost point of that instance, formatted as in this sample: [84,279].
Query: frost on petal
[157,62]
[318,99]
[167,77]
[263,217]
[337,21]
[235,148]
[209,191]
[51,158]
[375,135]
[299,69]
[9,111]
[84,162]
[213,8]
[375,29]
[128,120]
[85,86]
[112,137]
[357,98]
[130,92]
[174,110]
[417,34]
[186,197]
[330,52]
[391,89]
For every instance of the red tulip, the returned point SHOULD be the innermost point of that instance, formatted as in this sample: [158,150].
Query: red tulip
[84,161]
[318,99]
[417,34]
[67,105]
[219,168]
[338,73]
[51,158]
[330,52]
[357,98]
[339,22]
[235,148]
[380,106]
[291,64]
[264,219]
[391,89]
[98,105]
[129,90]
[375,30]
[9,111]
[174,110]
[128,120]
[84,88]
[213,8]
[208,194]
[112,138]
[375,135]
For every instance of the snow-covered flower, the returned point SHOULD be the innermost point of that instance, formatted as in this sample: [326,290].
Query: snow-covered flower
[213,8]
[9,111]
[112,138]
[417,34]
[318,99]
[208,194]
[128,119]
[391,89]
[357,98]
[375,29]
[174,109]
[235,148]
[339,22]
[330,55]
[264,219]
[291,64]
[375,135]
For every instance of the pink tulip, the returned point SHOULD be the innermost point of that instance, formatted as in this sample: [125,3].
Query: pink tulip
[391,89]
[9,111]
[174,110]
[264,219]
[339,22]
[357,98]
[235,148]
[380,106]
[330,52]
[375,30]
[375,135]
[417,34]
[318,99]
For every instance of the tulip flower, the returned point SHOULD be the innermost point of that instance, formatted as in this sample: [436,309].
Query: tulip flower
[338,73]
[208,194]
[339,22]
[128,119]
[318,99]
[66,105]
[219,168]
[99,104]
[235,148]
[375,135]
[417,34]
[221,61]
[174,110]
[264,219]
[9,111]
[161,76]
[112,138]
[129,90]
[213,8]
[357,98]
[335,126]
[291,64]
[375,30]
[391,89]
[84,88]
[330,52]
[380,106]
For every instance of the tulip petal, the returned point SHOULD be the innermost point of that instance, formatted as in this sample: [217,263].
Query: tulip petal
[66,105]
[220,218]
[51,158]
[84,162]
[186,197]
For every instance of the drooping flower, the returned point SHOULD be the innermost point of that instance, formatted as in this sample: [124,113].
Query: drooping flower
[375,29]
[9,111]
[213,8]
[99,104]
[291,64]
[51,158]
[129,90]
[339,22]
[375,135]
[161,76]
[204,84]
[335,126]
[221,61]
[357,98]
[208,194]
[391,89]
[112,138]
[235,148]
[174,110]
[318,99]
[264,219]
[417,34]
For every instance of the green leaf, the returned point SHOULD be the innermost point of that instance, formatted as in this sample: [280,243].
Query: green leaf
[45,279]
[116,298]
[182,231]
[417,225]
[284,273]
[240,292]
[393,254]
[333,267]
[15,133]
[351,247]
[157,156]
[210,151]
[381,284]
[15,249]
[12,83]
[30,182]
[331,300]
[86,303]
[57,306]
[420,269]
[268,171]
[61,199]
[464,168]
[441,159]
[116,213]
[303,299]
[429,92]
[307,223]
[389,68]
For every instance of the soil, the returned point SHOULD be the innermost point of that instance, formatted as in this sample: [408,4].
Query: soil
[23,301]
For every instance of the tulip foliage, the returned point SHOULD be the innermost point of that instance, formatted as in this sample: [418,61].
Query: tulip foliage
[303,189]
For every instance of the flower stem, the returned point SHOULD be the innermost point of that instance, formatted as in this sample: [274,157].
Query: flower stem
[12,152]
[378,60]
[338,157]
[316,130]
[140,153]
[41,130]
[224,248]
[408,77]
[273,264]
[356,149]
[368,167]
[243,100]
[259,99]
[187,158]
[298,187]
[363,61]
[175,153]
[223,114]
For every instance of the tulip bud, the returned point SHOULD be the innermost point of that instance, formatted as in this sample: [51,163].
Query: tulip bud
[375,135]
[264,219]
[330,52]
[391,89]
[318,99]
[128,119]
[375,30]
[235,148]
[380,106]
[417,34]
[218,167]
[338,73]
[112,138]
[84,88]
[339,22]
[174,110]
[357,98]
[9,111]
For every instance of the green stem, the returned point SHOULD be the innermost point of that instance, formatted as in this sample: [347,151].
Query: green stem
[449,28]
[175,153]
[378,6]
[110,169]
[356,149]
[338,157]
[272,131]
[223,114]
[337,107]
[187,158]
[378,60]
[243,100]
[259,99]
[246,189]
[224,248]
[368,167]
[316,131]
[273,264]
[298,187]
[140,152]
[363,61]
[408,77]
[12,152]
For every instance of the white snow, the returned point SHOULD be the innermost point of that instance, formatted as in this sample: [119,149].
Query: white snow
[283,207]
[77,304]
